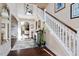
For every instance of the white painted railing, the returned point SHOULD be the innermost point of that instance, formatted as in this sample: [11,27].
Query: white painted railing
[66,34]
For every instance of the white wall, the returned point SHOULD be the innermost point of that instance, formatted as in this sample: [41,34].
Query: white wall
[20,9]
[13,8]
[5,48]
[0,34]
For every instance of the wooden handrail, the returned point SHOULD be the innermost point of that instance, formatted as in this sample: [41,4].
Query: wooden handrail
[61,22]
[41,8]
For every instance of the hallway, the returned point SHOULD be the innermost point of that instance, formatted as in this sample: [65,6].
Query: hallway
[26,29]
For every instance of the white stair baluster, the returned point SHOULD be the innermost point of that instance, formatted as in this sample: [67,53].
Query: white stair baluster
[66,37]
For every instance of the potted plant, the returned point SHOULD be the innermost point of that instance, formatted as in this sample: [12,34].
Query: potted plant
[41,38]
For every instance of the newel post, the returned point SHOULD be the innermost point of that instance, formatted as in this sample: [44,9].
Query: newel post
[45,15]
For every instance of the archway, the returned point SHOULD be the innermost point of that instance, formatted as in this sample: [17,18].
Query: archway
[25,30]
[14,30]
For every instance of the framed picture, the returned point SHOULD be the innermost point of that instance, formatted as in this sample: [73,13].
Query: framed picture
[74,10]
[2,25]
[59,6]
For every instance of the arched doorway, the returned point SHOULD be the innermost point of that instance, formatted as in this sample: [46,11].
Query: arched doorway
[24,30]
[14,30]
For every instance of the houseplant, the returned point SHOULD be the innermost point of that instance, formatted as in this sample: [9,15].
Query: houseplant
[41,38]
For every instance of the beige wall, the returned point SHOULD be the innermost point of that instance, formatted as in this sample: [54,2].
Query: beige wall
[64,15]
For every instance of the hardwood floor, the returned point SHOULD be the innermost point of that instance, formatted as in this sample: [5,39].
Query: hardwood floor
[29,52]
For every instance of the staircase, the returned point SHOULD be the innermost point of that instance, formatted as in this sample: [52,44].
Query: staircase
[66,38]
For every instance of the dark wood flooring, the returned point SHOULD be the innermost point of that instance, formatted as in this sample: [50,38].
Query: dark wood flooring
[29,52]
